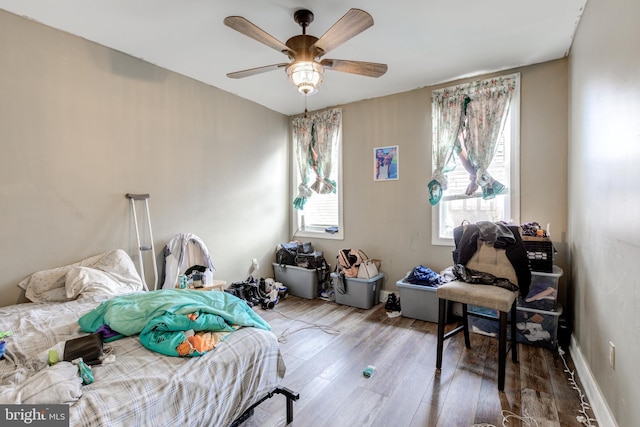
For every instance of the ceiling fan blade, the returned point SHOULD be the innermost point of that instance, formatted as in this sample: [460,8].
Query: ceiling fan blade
[370,69]
[254,71]
[249,29]
[350,25]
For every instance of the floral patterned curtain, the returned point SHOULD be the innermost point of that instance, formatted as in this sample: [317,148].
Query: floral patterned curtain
[486,114]
[315,139]
[468,120]
[302,142]
[447,107]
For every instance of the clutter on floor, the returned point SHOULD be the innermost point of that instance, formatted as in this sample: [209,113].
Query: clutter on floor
[302,269]
[264,293]
[393,303]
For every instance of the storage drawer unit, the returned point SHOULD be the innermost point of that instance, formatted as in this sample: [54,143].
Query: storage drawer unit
[543,291]
[535,327]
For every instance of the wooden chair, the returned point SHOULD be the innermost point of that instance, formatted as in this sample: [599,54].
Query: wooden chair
[495,262]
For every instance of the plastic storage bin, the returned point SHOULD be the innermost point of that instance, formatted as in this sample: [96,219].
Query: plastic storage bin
[419,302]
[360,293]
[301,282]
[543,291]
[535,327]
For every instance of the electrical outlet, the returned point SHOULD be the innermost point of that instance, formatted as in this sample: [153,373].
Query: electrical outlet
[254,263]
[612,355]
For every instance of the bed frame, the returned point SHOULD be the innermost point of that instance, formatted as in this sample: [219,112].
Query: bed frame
[290,395]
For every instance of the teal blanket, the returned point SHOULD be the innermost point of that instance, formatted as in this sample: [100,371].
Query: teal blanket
[174,322]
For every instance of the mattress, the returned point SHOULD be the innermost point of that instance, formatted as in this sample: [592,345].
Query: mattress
[141,387]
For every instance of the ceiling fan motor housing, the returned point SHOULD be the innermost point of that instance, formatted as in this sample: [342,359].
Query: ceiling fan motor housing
[303,48]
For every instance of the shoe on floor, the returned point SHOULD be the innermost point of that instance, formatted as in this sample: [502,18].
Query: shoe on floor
[393,303]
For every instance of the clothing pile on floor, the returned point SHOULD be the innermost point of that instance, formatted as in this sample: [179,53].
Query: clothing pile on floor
[264,293]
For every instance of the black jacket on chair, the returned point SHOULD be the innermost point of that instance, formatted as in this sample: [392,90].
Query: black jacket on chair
[466,240]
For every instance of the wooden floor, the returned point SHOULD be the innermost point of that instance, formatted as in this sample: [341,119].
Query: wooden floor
[327,346]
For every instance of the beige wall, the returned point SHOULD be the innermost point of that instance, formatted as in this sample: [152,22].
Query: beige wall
[604,204]
[392,219]
[82,125]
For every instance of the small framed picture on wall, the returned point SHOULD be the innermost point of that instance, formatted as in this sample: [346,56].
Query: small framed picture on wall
[385,163]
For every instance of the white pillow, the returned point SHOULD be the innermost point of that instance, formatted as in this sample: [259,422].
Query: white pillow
[45,286]
[87,282]
[50,285]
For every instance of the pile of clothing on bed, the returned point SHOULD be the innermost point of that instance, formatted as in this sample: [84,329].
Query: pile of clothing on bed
[174,322]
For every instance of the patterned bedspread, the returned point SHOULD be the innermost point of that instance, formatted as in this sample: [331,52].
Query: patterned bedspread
[142,387]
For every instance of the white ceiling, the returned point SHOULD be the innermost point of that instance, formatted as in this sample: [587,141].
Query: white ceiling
[424,42]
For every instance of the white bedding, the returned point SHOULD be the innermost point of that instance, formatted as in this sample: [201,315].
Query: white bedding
[144,388]
[141,387]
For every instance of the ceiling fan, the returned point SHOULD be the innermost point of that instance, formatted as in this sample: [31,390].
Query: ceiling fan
[305,51]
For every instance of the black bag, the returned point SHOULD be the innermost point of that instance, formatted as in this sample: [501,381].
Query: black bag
[315,261]
[312,260]
[287,252]
[88,347]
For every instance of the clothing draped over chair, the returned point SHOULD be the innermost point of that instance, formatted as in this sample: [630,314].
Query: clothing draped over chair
[470,238]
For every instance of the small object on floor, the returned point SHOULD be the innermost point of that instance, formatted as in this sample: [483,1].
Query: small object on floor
[392,314]
[369,371]
[393,303]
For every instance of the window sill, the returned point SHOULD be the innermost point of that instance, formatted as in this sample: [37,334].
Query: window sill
[442,242]
[318,233]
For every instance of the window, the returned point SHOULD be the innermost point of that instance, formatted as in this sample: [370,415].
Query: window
[321,210]
[455,206]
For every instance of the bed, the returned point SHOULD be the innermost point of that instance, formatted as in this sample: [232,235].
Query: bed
[140,387]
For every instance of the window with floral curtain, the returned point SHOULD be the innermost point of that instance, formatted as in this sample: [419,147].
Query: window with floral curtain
[470,140]
[317,206]
[315,138]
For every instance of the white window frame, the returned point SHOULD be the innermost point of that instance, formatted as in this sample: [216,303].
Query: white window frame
[298,226]
[514,176]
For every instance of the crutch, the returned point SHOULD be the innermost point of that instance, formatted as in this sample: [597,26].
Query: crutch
[144,198]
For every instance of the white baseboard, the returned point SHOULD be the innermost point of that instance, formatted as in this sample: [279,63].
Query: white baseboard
[601,410]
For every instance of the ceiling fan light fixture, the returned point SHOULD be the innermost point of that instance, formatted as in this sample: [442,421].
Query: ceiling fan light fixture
[305,75]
